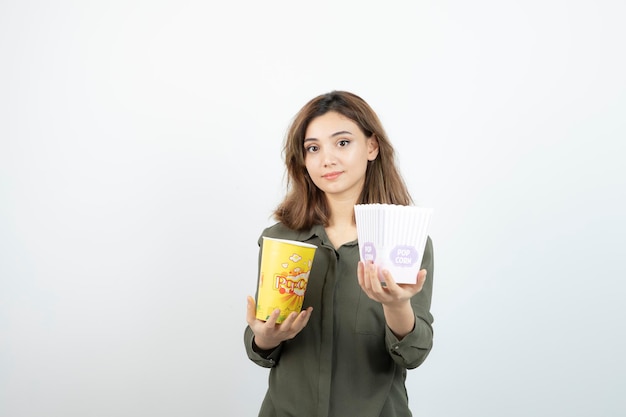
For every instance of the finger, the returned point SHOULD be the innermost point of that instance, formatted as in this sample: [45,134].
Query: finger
[421,278]
[288,322]
[376,284]
[300,321]
[271,320]
[365,277]
[303,318]
[250,310]
[390,283]
[372,282]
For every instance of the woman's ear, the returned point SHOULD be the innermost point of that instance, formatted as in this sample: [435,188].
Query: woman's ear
[372,148]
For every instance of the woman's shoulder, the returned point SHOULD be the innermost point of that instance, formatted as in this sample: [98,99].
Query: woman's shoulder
[280,231]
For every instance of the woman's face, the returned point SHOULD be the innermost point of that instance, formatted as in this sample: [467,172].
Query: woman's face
[336,155]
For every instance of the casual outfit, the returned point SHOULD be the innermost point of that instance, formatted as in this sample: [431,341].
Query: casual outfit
[346,361]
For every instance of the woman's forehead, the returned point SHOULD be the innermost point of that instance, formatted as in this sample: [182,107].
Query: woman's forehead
[331,124]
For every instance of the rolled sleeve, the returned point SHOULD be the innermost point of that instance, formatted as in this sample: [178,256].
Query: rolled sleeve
[412,350]
[267,361]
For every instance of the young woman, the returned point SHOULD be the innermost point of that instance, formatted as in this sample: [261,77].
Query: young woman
[347,352]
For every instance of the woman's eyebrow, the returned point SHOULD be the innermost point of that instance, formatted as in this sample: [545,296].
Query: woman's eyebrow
[341,132]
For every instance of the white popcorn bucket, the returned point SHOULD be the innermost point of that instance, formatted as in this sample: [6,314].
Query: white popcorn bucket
[393,237]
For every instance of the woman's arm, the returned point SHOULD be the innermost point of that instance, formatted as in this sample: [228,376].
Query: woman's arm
[406,307]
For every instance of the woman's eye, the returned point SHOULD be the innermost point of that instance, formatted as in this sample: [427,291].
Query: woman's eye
[312,148]
[343,142]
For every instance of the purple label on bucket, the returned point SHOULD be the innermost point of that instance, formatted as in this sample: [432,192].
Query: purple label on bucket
[368,252]
[404,255]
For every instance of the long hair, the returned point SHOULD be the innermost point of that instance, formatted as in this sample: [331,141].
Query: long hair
[304,204]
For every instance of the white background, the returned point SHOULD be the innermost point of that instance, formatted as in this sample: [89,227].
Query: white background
[140,158]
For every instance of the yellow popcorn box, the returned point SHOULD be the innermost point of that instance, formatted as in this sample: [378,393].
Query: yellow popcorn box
[283,276]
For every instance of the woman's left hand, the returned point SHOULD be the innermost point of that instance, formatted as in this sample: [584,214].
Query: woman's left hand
[391,293]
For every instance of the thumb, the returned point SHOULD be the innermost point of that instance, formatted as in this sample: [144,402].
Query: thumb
[250,310]
[421,278]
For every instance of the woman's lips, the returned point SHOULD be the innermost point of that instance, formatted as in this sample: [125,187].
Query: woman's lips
[332,175]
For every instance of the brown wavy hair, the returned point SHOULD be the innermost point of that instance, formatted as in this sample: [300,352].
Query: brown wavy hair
[305,205]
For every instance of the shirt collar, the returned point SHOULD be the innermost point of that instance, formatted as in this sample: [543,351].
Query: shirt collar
[319,231]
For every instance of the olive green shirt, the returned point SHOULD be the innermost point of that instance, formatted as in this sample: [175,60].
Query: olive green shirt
[346,361]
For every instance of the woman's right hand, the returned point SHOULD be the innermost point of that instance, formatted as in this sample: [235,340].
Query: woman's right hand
[268,334]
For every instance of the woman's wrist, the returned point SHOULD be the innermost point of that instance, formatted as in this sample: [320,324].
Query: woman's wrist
[262,346]
[400,318]
[398,306]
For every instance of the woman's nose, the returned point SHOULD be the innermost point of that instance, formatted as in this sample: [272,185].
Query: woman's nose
[329,159]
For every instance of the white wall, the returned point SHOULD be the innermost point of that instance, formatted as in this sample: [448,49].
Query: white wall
[140,159]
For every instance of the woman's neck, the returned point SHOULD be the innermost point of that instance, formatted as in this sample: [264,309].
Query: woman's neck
[341,227]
